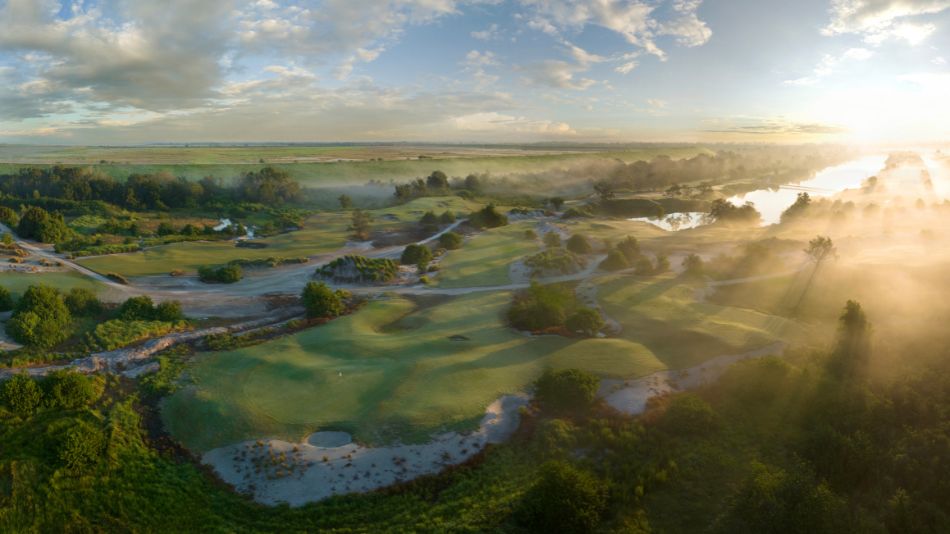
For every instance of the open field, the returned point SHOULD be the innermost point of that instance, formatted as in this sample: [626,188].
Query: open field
[316,166]
[390,371]
[17,283]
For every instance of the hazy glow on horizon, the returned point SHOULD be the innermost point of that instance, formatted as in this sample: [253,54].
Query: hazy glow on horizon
[122,71]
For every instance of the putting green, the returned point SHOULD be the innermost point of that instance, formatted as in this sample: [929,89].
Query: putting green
[392,372]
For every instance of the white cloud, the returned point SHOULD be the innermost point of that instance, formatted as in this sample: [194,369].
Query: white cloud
[488,34]
[880,20]
[556,74]
[494,122]
[829,63]
[636,21]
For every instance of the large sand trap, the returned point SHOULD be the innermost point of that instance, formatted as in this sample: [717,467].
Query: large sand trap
[275,471]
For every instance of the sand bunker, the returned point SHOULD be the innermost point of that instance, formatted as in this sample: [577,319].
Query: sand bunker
[327,463]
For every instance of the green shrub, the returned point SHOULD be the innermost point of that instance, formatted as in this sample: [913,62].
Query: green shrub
[41,318]
[69,390]
[321,301]
[554,261]
[118,333]
[615,261]
[83,302]
[22,394]
[566,391]
[450,241]
[6,299]
[578,244]
[689,415]
[552,240]
[630,248]
[360,269]
[565,499]
[139,308]
[222,274]
[488,217]
[540,307]
[82,445]
[168,311]
[586,321]
[416,255]
[447,217]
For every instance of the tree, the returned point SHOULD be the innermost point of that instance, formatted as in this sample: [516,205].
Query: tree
[22,394]
[6,299]
[345,201]
[578,244]
[473,183]
[82,445]
[9,217]
[693,265]
[415,254]
[552,240]
[450,241]
[169,311]
[139,308]
[819,250]
[223,274]
[360,224]
[556,203]
[662,264]
[269,186]
[488,217]
[165,228]
[437,180]
[853,345]
[798,208]
[429,220]
[586,321]
[321,301]
[41,318]
[566,391]
[36,223]
[70,390]
[447,217]
[83,302]
[565,499]
[630,248]
[604,190]
[615,261]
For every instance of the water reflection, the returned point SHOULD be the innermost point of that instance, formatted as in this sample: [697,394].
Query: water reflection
[675,221]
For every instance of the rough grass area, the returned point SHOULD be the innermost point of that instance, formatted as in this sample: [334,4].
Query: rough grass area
[485,259]
[17,283]
[322,233]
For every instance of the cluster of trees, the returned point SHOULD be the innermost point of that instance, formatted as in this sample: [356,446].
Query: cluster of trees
[430,221]
[450,241]
[270,186]
[142,308]
[725,212]
[554,261]
[40,225]
[488,217]
[551,308]
[418,255]
[437,183]
[41,318]
[360,269]
[627,254]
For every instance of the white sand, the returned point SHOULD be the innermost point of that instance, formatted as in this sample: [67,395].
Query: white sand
[275,471]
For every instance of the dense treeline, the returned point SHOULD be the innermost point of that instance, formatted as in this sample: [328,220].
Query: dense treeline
[160,191]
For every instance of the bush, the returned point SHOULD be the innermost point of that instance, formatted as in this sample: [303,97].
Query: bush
[83,302]
[169,311]
[416,255]
[222,274]
[565,499]
[556,261]
[693,266]
[81,446]
[689,415]
[570,390]
[6,300]
[22,395]
[36,223]
[69,390]
[585,321]
[41,318]
[552,240]
[579,244]
[488,217]
[615,261]
[540,307]
[530,234]
[360,269]
[9,217]
[118,333]
[447,217]
[630,248]
[321,301]
[643,267]
[450,241]
[137,309]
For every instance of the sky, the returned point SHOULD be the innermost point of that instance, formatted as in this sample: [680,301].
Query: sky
[128,71]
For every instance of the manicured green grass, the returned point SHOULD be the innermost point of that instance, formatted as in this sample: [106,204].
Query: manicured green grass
[322,233]
[17,283]
[485,258]
[663,314]
[389,371]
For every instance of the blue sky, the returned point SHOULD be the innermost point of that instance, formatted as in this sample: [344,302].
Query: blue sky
[125,71]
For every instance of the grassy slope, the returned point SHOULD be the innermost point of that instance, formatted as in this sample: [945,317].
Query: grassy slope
[17,283]
[485,258]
